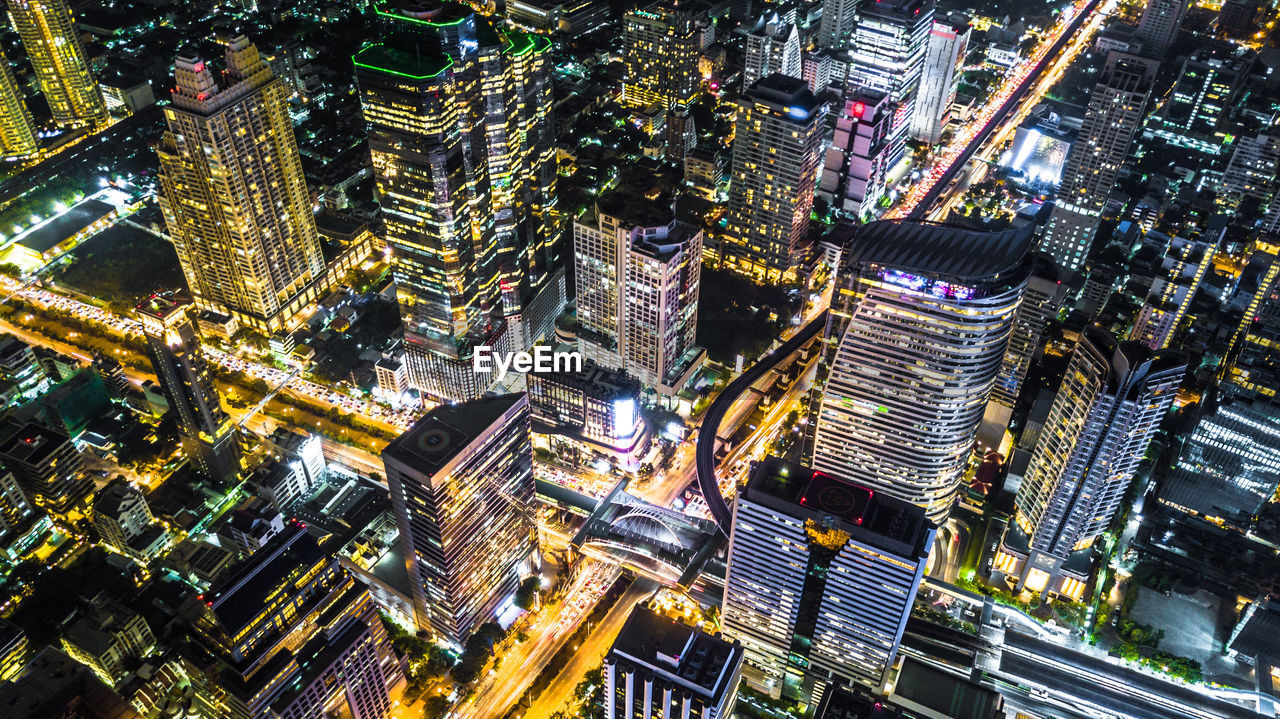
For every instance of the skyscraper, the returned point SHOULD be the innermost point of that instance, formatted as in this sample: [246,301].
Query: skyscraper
[233,194]
[1112,399]
[659,668]
[461,139]
[854,165]
[207,432]
[888,55]
[777,150]
[49,35]
[772,46]
[1113,115]
[461,484]
[661,50]
[944,54]
[291,634]
[1213,80]
[822,575]
[915,340]
[638,272]
[17,129]
[1159,25]
[46,463]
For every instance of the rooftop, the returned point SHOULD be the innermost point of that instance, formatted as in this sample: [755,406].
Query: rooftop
[240,597]
[433,441]
[872,518]
[66,225]
[686,656]
[400,63]
[937,249]
[785,93]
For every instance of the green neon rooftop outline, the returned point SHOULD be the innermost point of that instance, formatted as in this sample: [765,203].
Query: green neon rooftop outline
[448,63]
[392,14]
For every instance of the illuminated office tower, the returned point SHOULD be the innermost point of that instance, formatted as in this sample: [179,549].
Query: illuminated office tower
[854,165]
[233,193]
[1112,399]
[661,48]
[17,129]
[49,35]
[1113,115]
[944,55]
[460,135]
[291,634]
[772,46]
[461,484]
[208,435]
[1183,266]
[638,272]
[777,150]
[916,336]
[1159,25]
[822,575]
[888,55]
[1251,174]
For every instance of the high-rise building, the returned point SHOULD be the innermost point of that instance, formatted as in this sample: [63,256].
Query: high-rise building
[661,47]
[638,273]
[658,668]
[52,41]
[888,55]
[944,55]
[460,133]
[1251,173]
[121,515]
[1230,465]
[1159,25]
[1251,364]
[1113,115]
[461,484]
[46,463]
[1112,399]
[915,340]
[208,435]
[854,165]
[1177,278]
[1211,83]
[233,193]
[20,366]
[838,20]
[17,129]
[17,517]
[777,150]
[291,634]
[822,576]
[108,638]
[772,46]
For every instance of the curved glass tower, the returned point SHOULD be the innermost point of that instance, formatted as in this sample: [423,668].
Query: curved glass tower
[914,344]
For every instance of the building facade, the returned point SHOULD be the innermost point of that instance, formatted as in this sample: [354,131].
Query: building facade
[460,135]
[1159,25]
[659,668]
[854,165]
[209,437]
[1112,117]
[939,80]
[661,47]
[822,576]
[1181,270]
[1110,405]
[462,489]
[772,46]
[17,128]
[291,634]
[233,193]
[777,150]
[46,463]
[887,54]
[52,41]
[638,272]
[914,343]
